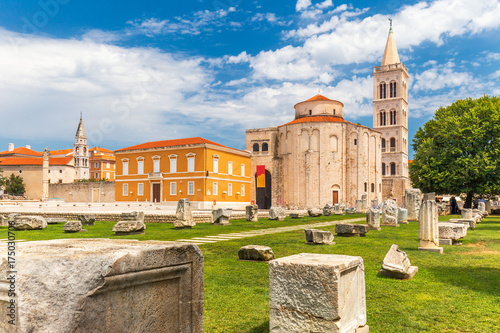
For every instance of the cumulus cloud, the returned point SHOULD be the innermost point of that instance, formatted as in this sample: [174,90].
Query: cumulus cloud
[442,76]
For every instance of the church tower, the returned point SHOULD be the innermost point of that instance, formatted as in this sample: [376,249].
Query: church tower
[81,153]
[390,117]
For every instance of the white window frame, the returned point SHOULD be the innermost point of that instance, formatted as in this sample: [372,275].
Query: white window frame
[229,190]
[125,167]
[96,165]
[215,188]
[229,168]
[140,189]
[173,188]
[96,175]
[107,165]
[173,163]
[190,162]
[156,163]
[242,190]
[190,188]
[107,175]
[140,166]
[125,189]
[216,164]
[242,170]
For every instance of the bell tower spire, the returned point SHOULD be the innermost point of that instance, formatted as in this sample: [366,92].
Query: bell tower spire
[391,55]
[81,152]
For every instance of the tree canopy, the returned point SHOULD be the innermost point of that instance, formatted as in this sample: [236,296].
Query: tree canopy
[458,150]
[14,185]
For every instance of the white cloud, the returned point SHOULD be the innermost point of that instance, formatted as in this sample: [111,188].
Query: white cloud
[302,4]
[496,75]
[270,18]
[442,76]
[240,58]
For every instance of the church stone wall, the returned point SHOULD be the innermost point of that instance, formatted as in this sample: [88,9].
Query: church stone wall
[84,191]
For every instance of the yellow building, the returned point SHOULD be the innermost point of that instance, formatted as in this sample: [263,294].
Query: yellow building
[203,171]
[102,164]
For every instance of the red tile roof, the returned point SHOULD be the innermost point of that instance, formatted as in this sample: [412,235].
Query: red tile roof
[100,149]
[318,119]
[21,151]
[171,143]
[35,161]
[318,98]
[61,152]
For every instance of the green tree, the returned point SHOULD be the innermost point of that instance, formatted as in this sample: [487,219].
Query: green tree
[458,151]
[14,185]
[2,180]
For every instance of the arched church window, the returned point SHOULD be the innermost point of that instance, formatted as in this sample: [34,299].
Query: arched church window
[390,117]
[382,117]
[383,169]
[334,112]
[393,169]
[383,145]
[394,115]
[373,187]
[366,187]
[355,142]
[310,112]
[393,144]
[392,86]
[255,147]
[265,146]
[383,90]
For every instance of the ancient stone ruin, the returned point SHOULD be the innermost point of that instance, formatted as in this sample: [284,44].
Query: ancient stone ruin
[397,265]
[351,230]
[73,226]
[277,213]
[112,286]
[221,216]
[55,220]
[373,219]
[184,215]
[315,236]
[390,213]
[338,210]
[317,293]
[428,231]
[450,233]
[123,228]
[256,253]
[315,212]
[29,222]
[251,213]
[87,219]
[402,216]
[413,200]
[328,210]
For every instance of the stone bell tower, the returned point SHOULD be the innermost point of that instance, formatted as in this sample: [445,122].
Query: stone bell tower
[390,116]
[81,153]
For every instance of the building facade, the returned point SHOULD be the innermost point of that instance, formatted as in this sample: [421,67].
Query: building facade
[203,171]
[318,158]
[390,117]
[102,164]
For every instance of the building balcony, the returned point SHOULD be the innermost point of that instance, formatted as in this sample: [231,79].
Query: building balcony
[155,175]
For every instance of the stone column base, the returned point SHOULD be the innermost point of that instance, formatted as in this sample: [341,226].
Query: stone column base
[431,249]
[362,329]
[389,225]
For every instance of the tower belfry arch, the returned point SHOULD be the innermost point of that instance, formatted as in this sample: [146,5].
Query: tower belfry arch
[81,152]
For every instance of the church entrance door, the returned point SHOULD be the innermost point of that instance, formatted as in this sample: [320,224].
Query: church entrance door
[156,192]
[263,194]
[335,197]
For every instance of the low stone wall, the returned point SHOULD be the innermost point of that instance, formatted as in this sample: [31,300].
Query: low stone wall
[84,191]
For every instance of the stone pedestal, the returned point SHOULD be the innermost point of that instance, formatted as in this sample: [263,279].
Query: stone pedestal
[251,213]
[221,216]
[364,200]
[402,216]
[106,285]
[397,265]
[373,219]
[315,236]
[132,216]
[317,293]
[450,233]
[338,210]
[184,215]
[428,230]
[255,253]
[390,213]
[413,200]
[328,210]
[359,206]
[277,213]
[466,213]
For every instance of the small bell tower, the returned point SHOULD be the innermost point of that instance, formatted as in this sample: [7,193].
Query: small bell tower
[81,153]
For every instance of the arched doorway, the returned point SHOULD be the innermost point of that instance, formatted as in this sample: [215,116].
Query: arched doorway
[263,194]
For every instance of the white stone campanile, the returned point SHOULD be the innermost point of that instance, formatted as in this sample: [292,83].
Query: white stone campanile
[390,117]
[81,153]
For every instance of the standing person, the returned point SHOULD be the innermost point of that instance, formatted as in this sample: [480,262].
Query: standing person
[454,206]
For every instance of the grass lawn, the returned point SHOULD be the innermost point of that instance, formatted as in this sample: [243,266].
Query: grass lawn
[458,291]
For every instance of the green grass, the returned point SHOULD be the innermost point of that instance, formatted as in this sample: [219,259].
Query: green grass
[458,291]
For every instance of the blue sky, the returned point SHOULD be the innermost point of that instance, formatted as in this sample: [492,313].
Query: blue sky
[213,68]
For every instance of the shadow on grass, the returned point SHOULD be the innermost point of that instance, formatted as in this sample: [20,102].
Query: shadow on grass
[262,328]
[480,279]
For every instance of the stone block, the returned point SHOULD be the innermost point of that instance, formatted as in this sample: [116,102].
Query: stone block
[277,213]
[481,206]
[452,230]
[364,200]
[328,210]
[87,219]
[251,213]
[29,222]
[402,215]
[349,230]
[73,226]
[317,293]
[429,196]
[123,228]
[373,219]
[106,285]
[315,236]
[314,212]
[471,223]
[221,216]
[132,216]
[443,241]
[359,207]
[55,220]
[397,265]
[256,253]
[4,222]
[466,213]
[428,231]
[338,209]
[295,215]
[184,215]
[390,213]
[350,210]
[413,201]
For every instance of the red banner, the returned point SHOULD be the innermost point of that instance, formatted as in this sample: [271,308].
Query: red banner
[261,176]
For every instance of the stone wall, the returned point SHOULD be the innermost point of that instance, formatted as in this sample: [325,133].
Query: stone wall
[84,192]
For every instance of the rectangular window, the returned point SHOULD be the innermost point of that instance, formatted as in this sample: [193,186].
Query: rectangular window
[156,165]
[242,190]
[140,167]
[96,175]
[173,188]
[229,168]
[242,170]
[190,188]
[125,168]
[173,165]
[190,164]
[96,165]
[125,190]
[107,175]
[229,189]
[216,165]
[140,189]
[215,188]
[107,165]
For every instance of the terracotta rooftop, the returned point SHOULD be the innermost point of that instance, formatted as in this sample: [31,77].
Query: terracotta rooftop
[35,161]
[171,143]
[318,98]
[21,151]
[317,119]
[61,152]
[102,150]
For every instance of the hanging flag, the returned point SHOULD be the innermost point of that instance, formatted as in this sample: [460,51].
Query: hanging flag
[261,176]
